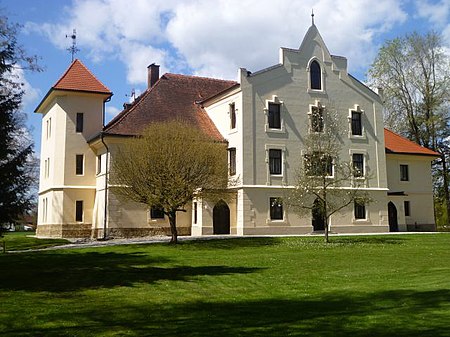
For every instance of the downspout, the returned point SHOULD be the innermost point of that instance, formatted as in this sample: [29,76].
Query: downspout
[105,210]
[106,187]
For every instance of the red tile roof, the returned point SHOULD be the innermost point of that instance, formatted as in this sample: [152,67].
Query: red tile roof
[172,97]
[78,78]
[395,143]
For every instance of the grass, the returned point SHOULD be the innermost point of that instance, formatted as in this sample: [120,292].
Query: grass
[395,285]
[23,241]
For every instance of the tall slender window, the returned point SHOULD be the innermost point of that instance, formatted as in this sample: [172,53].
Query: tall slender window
[360,210]
[404,173]
[356,123]
[274,117]
[275,161]
[232,116]
[195,212]
[358,165]
[407,207]
[80,122]
[79,164]
[79,211]
[317,118]
[232,161]
[315,76]
[276,209]
[99,164]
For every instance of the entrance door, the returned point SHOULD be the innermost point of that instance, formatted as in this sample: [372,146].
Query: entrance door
[318,218]
[221,218]
[392,217]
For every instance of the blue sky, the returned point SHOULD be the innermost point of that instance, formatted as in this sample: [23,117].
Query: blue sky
[118,39]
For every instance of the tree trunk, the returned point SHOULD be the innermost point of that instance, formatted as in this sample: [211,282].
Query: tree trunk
[173,226]
[445,183]
[327,240]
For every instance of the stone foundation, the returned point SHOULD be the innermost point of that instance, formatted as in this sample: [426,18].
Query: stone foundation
[421,227]
[138,232]
[64,231]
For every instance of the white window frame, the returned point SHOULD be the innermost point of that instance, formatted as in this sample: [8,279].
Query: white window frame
[322,78]
[356,108]
[274,100]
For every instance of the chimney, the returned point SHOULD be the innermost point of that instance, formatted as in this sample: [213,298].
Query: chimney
[153,74]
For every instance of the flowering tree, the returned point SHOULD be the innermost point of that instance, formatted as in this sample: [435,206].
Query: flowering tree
[325,182]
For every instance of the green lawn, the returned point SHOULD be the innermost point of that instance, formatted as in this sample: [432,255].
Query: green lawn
[24,240]
[396,285]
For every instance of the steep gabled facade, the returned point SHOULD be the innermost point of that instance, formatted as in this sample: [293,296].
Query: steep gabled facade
[264,117]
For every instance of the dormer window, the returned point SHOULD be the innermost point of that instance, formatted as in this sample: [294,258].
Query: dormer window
[315,76]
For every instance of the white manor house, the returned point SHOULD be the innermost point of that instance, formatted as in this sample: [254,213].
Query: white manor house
[263,117]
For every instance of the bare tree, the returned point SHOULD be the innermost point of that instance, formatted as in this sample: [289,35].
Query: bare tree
[414,72]
[169,164]
[325,182]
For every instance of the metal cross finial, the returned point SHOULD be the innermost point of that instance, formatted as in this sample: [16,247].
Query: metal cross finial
[312,16]
[73,49]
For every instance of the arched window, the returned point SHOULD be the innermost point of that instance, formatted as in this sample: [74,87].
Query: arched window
[316,76]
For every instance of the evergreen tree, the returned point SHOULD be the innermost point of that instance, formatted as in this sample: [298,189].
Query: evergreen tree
[15,147]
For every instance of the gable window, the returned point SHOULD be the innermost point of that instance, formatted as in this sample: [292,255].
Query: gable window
[275,156]
[276,209]
[79,164]
[232,161]
[156,213]
[360,210]
[356,123]
[315,76]
[80,122]
[317,118]
[232,116]
[407,207]
[79,211]
[358,165]
[274,117]
[404,173]
[318,164]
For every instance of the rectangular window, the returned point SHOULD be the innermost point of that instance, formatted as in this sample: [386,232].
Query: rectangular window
[79,211]
[274,118]
[360,210]
[44,210]
[99,164]
[318,164]
[232,116]
[317,119]
[275,161]
[232,161]
[195,212]
[80,122]
[356,123]
[276,209]
[407,207]
[358,165]
[79,164]
[156,213]
[404,173]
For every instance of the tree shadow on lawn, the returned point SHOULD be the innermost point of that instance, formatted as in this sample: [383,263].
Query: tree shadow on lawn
[68,272]
[384,314]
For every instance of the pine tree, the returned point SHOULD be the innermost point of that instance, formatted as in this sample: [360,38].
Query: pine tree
[15,148]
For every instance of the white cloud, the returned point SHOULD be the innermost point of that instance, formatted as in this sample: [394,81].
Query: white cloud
[30,94]
[438,14]
[215,38]
[112,111]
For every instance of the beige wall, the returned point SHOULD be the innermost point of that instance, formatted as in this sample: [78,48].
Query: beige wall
[418,190]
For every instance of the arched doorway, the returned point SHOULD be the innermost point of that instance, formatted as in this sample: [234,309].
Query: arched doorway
[318,218]
[221,218]
[392,217]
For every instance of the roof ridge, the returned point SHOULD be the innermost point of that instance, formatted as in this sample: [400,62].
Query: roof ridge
[199,77]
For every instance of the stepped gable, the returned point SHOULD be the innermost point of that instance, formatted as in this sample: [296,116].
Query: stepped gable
[397,144]
[78,78]
[171,97]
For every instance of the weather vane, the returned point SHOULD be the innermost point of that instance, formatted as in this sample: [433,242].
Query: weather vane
[73,49]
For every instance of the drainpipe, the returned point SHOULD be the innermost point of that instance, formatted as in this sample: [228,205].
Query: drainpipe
[105,210]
